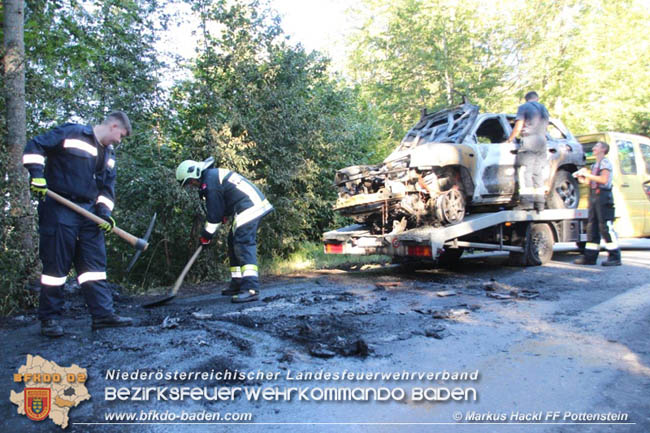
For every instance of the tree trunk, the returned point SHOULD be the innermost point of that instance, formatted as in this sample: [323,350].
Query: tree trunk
[14,77]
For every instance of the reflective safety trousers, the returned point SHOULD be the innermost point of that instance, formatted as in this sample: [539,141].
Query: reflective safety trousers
[66,238]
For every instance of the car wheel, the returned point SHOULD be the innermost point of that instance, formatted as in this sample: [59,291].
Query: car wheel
[565,193]
[450,207]
[539,244]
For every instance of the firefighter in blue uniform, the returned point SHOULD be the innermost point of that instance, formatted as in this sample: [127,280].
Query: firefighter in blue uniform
[228,194]
[77,162]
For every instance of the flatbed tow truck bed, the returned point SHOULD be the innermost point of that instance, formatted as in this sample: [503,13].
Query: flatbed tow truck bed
[528,236]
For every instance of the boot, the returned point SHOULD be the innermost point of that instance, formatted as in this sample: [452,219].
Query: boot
[230,291]
[51,328]
[247,296]
[539,207]
[234,287]
[614,258]
[584,260]
[111,321]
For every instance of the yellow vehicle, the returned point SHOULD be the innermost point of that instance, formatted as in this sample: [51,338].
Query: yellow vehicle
[630,157]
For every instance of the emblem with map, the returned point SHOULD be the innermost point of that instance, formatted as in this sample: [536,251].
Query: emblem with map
[50,390]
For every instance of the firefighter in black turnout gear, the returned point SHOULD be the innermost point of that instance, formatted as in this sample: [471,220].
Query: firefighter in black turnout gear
[601,209]
[77,162]
[229,194]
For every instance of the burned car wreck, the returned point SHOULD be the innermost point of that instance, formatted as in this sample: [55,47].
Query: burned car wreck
[452,162]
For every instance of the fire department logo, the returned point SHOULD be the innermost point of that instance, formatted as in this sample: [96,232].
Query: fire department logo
[50,390]
[38,402]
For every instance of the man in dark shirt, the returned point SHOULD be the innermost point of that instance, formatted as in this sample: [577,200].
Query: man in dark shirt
[77,162]
[531,122]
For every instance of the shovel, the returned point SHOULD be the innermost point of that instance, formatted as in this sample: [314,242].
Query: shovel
[140,244]
[172,294]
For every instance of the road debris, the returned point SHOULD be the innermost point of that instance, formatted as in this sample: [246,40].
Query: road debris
[445,293]
[202,316]
[169,322]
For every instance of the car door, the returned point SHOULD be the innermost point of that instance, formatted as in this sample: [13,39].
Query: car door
[644,150]
[631,203]
[497,158]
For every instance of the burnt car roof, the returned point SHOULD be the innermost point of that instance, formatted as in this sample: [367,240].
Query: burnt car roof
[446,126]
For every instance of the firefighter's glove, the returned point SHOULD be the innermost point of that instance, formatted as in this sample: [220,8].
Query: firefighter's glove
[38,186]
[108,225]
[205,242]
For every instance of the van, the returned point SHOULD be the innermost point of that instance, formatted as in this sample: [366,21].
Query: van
[630,158]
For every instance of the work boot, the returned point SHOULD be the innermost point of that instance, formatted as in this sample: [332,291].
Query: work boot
[614,259]
[233,289]
[539,207]
[51,328]
[247,296]
[111,321]
[584,260]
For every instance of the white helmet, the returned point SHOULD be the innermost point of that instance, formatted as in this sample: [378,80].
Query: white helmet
[192,169]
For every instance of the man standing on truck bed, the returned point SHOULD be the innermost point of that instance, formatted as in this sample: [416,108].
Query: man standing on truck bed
[531,122]
[601,209]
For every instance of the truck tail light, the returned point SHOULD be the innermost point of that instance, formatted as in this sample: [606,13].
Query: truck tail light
[333,248]
[419,251]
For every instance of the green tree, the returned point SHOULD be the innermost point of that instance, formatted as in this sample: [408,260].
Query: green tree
[273,113]
[411,54]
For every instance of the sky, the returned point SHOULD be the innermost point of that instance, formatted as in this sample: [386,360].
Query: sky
[316,24]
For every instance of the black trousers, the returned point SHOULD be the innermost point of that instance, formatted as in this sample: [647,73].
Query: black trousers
[66,238]
[600,223]
[242,253]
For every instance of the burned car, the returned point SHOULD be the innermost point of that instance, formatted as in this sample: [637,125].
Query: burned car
[451,162]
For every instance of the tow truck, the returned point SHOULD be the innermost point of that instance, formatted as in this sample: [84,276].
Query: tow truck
[528,236]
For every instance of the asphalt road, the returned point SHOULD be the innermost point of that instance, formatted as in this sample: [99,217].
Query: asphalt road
[552,347]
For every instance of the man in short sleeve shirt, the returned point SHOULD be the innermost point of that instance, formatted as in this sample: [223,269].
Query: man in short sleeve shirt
[531,123]
[601,209]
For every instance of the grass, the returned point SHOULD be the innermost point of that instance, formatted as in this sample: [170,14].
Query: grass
[310,256]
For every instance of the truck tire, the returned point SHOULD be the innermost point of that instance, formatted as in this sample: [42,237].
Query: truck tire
[539,244]
[564,193]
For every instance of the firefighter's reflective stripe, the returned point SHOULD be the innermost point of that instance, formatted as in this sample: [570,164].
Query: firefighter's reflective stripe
[110,163]
[102,199]
[33,158]
[613,245]
[91,276]
[592,246]
[245,187]
[222,172]
[49,280]
[527,190]
[251,213]
[211,228]
[71,143]
[249,271]
[235,272]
